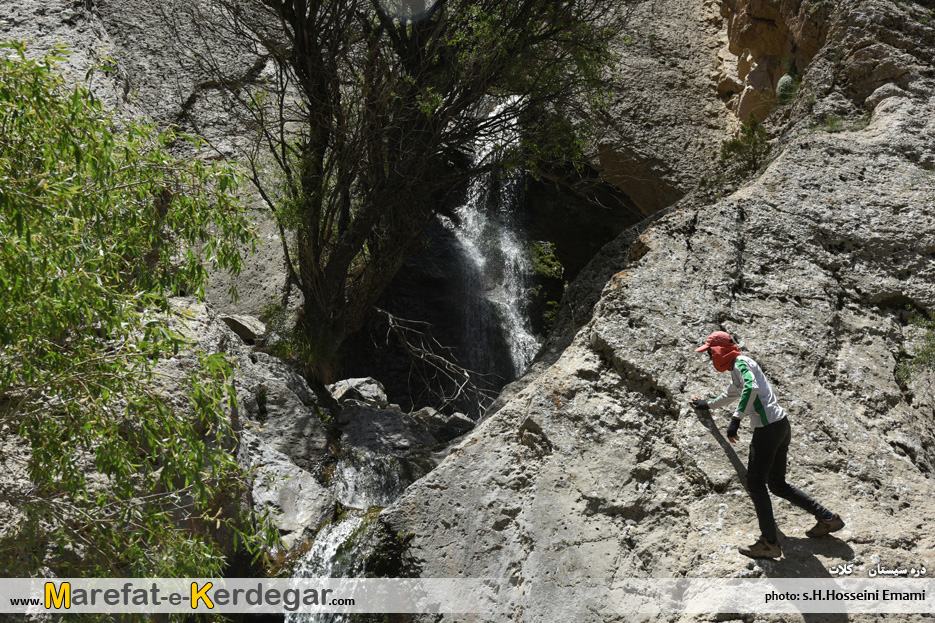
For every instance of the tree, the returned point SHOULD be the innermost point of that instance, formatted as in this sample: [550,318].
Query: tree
[369,118]
[99,225]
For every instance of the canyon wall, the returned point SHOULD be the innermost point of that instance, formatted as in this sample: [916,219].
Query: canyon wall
[596,469]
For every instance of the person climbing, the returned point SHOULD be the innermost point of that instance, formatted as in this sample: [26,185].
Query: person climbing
[769,447]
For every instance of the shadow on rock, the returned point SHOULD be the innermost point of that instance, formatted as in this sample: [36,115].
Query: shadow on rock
[707,421]
[800,561]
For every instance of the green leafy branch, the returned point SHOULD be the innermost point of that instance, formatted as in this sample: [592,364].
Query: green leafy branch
[100,226]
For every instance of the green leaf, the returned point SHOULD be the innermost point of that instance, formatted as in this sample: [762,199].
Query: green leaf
[84,323]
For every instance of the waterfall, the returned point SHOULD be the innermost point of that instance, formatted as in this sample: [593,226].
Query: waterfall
[496,262]
[364,483]
[494,283]
[335,553]
[364,479]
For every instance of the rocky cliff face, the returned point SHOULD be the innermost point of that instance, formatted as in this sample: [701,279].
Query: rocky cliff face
[597,470]
[663,124]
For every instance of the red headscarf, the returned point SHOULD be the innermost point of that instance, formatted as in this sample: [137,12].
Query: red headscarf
[723,350]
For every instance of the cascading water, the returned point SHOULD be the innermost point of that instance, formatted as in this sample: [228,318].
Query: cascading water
[496,258]
[340,547]
[364,479]
[325,558]
[335,553]
[495,274]
[364,483]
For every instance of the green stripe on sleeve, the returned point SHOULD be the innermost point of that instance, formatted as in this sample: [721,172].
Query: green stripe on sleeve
[758,406]
[747,386]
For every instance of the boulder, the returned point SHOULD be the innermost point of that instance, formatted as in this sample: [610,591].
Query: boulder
[280,436]
[880,94]
[365,390]
[756,103]
[382,430]
[288,414]
[249,329]
[443,427]
[380,453]
[758,96]
[297,504]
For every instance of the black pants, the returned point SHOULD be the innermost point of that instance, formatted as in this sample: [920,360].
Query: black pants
[766,467]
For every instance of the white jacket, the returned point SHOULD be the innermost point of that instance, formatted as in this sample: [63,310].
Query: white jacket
[756,396]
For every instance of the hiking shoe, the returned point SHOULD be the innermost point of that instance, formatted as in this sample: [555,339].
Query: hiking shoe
[761,549]
[825,527]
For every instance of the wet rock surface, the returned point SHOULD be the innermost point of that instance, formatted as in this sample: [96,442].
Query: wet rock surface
[383,450]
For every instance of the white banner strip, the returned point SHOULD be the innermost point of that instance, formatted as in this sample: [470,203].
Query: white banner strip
[488,597]
[234,595]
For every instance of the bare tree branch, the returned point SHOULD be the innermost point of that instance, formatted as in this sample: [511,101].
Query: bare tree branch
[450,383]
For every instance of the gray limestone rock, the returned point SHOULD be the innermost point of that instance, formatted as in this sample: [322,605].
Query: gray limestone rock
[664,125]
[289,413]
[247,328]
[885,91]
[596,469]
[270,393]
[381,430]
[365,390]
[280,436]
[443,427]
[296,502]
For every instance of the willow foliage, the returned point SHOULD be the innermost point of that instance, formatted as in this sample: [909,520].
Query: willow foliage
[99,224]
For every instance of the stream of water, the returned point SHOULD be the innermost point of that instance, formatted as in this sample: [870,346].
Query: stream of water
[364,482]
[496,275]
[497,259]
